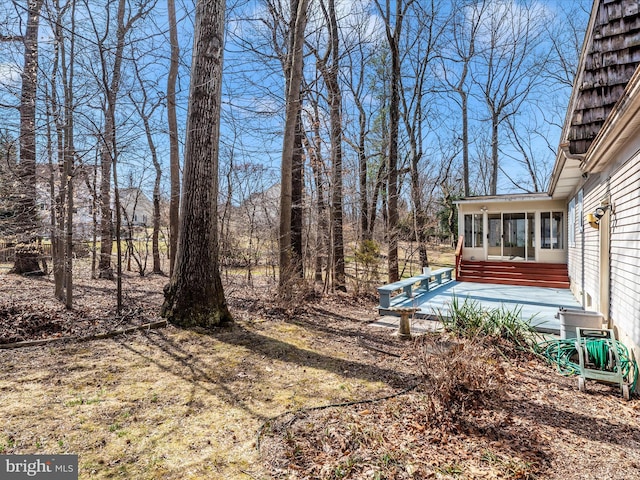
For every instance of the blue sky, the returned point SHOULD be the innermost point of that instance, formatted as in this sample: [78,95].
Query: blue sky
[253,95]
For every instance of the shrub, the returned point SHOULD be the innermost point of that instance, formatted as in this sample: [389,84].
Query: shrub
[459,375]
[470,319]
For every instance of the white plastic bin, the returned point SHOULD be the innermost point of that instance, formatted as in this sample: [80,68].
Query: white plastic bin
[571,318]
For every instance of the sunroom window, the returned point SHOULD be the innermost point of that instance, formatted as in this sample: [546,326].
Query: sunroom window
[552,230]
[572,223]
[473,232]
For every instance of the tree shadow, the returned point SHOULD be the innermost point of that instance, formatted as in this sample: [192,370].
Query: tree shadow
[351,368]
[179,359]
[345,328]
[593,428]
[520,440]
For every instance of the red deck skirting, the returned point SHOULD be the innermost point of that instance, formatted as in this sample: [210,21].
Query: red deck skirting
[552,275]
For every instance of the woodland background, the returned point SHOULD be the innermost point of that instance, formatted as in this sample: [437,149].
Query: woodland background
[399,109]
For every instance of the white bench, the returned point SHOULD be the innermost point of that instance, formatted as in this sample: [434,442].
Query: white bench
[408,285]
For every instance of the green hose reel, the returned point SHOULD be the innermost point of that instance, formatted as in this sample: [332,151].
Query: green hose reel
[600,357]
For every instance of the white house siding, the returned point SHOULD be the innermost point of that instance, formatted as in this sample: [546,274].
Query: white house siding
[625,248]
[594,190]
[574,254]
[621,182]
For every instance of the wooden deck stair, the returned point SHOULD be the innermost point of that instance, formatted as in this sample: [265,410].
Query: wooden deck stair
[551,275]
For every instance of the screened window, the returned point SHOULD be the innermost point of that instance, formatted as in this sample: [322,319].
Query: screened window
[552,230]
[473,232]
[580,212]
[572,223]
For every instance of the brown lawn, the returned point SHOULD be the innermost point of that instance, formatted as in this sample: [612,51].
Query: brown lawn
[240,402]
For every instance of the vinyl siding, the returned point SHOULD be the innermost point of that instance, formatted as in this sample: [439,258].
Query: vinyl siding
[592,200]
[574,252]
[625,248]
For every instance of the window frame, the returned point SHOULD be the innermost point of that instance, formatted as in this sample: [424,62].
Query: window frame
[476,220]
[553,230]
[571,233]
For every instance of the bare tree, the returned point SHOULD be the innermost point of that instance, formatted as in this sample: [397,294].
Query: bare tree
[328,64]
[313,143]
[526,141]
[292,122]
[194,296]
[356,82]
[456,62]
[63,116]
[393,22]
[174,155]
[111,59]
[26,262]
[508,65]
[145,108]
[420,52]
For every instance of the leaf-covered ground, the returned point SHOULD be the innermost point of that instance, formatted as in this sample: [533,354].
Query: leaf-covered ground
[238,402]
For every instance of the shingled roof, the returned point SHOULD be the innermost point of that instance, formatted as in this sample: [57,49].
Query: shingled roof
[610,57]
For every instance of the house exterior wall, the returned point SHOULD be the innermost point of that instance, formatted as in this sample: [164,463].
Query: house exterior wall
[82,202]
[619,183]
[138,208]
[584,255]
[625,246]
[576,225]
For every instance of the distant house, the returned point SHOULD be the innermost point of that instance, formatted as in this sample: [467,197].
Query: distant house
[137,209]
[83,201]
[589,220]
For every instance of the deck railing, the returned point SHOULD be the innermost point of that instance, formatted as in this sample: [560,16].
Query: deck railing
[459,255]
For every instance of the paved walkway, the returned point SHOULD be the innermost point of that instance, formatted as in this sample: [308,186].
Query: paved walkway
[538,305]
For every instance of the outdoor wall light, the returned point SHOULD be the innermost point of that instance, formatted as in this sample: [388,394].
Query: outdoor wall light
[599,213]
[594,218]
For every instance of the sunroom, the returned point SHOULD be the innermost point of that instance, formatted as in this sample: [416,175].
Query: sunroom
[513,228]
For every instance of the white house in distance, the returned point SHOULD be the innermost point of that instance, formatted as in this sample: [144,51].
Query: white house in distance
[585,230]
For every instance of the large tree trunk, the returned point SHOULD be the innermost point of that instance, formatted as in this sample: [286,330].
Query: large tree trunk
[57,201]
[465,142]
[69,151]
[27,214]
[289,145]
[297,188]
[174,156]
[393,33]
[394,122]
[195,297]
[362,175]
[335,102]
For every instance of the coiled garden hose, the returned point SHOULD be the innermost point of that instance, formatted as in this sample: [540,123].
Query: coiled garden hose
[599,353]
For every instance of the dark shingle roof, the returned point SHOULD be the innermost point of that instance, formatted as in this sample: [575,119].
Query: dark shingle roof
[611,59]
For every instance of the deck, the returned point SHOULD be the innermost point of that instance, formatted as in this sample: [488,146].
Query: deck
[537,303]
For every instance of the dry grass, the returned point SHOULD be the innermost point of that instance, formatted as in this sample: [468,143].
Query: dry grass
[175,404]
